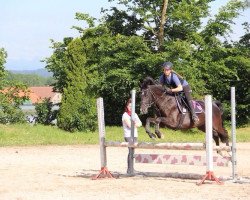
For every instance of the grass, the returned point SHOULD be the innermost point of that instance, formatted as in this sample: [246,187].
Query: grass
[26,135]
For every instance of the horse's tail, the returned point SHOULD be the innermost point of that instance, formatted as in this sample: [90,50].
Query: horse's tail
[224,134]
[220,106]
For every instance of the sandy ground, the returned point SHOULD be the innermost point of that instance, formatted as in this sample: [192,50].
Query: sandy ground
[64,172]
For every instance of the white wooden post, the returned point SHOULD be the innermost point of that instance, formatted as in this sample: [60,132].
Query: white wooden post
[209,132]
[209,141]
[233,133]
[132,149]
[103,154]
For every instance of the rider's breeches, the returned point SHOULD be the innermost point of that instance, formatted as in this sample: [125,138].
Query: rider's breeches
[187,91]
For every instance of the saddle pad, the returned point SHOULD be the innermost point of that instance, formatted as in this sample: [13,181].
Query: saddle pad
[197,107]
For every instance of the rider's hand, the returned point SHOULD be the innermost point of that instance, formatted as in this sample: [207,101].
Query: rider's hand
[168,90]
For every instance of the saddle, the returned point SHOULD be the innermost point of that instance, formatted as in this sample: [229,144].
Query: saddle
[183,105]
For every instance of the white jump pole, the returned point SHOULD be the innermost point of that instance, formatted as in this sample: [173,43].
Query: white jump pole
[101,126]
[132,149]
[233,133]
[133,114]
[209,142]
[209,133]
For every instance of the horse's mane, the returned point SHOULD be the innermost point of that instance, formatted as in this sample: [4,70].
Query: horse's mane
[148,81]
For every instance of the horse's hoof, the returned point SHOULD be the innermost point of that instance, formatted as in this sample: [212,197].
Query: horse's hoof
[159,135]
[152,137]
[229,154]
[219,152]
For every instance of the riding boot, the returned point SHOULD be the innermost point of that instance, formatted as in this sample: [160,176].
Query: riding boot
[194,116]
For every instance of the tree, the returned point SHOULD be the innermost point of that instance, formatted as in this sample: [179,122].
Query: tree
[3,56]
[28,79]
[10,100]
[127,46]
[57,63]
[238,60]
[45,112]
[77,109]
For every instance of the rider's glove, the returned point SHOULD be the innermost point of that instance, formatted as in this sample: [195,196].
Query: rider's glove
[168,90]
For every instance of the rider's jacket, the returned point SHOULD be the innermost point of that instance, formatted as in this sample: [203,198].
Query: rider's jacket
[173,80]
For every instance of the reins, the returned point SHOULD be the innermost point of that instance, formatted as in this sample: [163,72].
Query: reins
[154,97]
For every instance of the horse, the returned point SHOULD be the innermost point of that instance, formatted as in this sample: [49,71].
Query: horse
[169,114]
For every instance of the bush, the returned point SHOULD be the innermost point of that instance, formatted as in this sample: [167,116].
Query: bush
[11,114]
[45,112]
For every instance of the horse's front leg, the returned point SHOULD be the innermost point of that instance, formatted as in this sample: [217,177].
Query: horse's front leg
[157,128]
[147,127]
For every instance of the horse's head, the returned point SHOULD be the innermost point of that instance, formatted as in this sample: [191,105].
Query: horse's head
[146,94]
[146,100]
[152,93]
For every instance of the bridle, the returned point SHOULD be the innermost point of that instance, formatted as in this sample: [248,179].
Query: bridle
[155,99]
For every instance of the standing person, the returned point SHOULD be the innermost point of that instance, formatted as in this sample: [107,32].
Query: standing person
[177,84]
[126,123]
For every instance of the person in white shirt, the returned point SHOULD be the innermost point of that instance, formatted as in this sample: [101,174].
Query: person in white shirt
[126,123]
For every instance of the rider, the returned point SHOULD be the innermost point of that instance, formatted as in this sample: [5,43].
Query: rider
[177,84]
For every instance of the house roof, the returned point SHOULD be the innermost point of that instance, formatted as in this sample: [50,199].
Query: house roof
[37,94]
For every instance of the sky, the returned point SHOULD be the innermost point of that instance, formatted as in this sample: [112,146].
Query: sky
[28,25]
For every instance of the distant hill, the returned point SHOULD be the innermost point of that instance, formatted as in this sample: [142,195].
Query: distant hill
[41,72]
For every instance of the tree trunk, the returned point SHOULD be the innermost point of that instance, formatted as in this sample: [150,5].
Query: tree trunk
[162,23]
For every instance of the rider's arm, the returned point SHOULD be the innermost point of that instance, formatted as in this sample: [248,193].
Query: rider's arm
[161,79]
[177,89]
[178,83]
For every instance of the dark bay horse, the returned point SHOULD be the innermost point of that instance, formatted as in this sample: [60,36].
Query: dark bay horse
[170,116]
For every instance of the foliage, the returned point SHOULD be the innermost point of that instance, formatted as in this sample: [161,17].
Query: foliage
[29,79]
[125,47]
[56,63]
[77,110]
[10,111]
[3,56]
[44,111]
[116,65]
[238,60]
[11,96]
[10,114]
[10,100]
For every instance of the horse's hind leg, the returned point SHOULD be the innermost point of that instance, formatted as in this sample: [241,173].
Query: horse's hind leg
[217,142]
[223,135]
[147,127]
[215,137]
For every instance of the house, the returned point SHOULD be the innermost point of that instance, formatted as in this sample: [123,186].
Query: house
[38,94]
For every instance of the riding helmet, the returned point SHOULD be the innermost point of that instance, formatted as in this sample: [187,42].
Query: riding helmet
[167,65]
